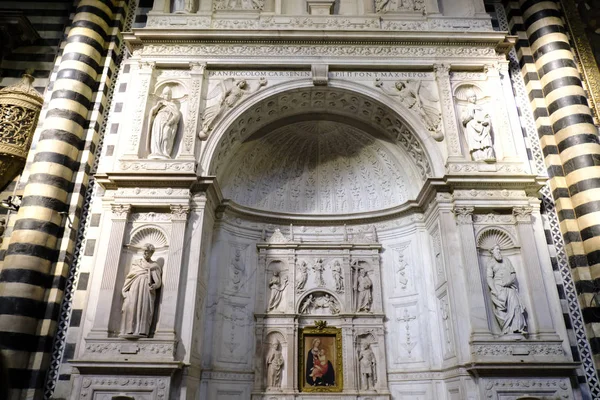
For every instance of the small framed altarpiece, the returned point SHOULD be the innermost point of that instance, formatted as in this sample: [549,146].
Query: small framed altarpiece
[320,353]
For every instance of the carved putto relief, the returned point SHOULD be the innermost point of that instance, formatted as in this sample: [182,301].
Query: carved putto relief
[230,92]
[319,303]
[417,97]
[476,122]
[139,292]
[164,120]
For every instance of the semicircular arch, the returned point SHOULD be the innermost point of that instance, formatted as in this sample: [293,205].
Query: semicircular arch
[344,98]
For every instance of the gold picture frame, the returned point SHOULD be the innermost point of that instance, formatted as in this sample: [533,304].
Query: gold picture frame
[320,353]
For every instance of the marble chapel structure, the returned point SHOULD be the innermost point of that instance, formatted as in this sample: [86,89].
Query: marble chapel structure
[318,199]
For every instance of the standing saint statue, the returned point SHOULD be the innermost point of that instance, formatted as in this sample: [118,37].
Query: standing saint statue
[478,129]
[139,291]
[274,367]
[363,287]
[502,280]
[277,289]
[367,365]
[302,276]
[164,117]
[336,269]
[319,268]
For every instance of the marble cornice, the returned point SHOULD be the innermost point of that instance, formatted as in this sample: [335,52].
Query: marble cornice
[500,41]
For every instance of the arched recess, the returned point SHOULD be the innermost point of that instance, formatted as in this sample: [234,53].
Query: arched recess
[274,106]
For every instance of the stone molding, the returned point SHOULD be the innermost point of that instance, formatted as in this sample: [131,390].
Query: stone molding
[503,388]
[520,349]
[138,350]
[156,388]
[399,51]
[320,22]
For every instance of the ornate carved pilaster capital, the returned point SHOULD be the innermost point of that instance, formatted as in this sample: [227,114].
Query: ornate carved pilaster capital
[523,214]
[146,66]
[441,70]
[179,212]
[120,211]
[492,69]
[197,67]
[464,215]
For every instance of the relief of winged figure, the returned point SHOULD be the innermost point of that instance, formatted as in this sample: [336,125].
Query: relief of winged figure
[414,96]
[232,91]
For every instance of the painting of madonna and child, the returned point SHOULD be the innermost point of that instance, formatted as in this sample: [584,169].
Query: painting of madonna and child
[321,369]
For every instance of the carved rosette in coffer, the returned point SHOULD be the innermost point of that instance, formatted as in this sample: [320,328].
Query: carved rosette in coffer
[300,284]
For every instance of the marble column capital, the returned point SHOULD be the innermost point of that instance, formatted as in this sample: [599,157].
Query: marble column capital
[523,214]
[441,70]
[464,215]
[179,212]
[120,211]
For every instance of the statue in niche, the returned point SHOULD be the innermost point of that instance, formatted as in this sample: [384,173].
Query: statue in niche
[363,287]
[164,117]
[237,271]
[139,291]
[231,93]
[302,277]
[367,365]
[277,288]
[318,268]
[274,367]
[336,269]
[412,93]
[502,281]
[477,124]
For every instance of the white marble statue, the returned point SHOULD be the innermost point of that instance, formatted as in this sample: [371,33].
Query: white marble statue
[139,291]
[318,268]
[477,124]
[367,365]
[277,288]
[363,290]
[274,367]
[502,281]
[164,117]
[336,269]
[302,276]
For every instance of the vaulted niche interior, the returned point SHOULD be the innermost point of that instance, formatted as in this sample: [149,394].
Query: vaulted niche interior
[319,164]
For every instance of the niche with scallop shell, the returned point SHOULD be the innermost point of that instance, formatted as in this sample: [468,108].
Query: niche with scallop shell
[133,250]
[487,239]
[275,356]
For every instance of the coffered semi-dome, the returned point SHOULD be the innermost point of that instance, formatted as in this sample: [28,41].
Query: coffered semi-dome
[319,167]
